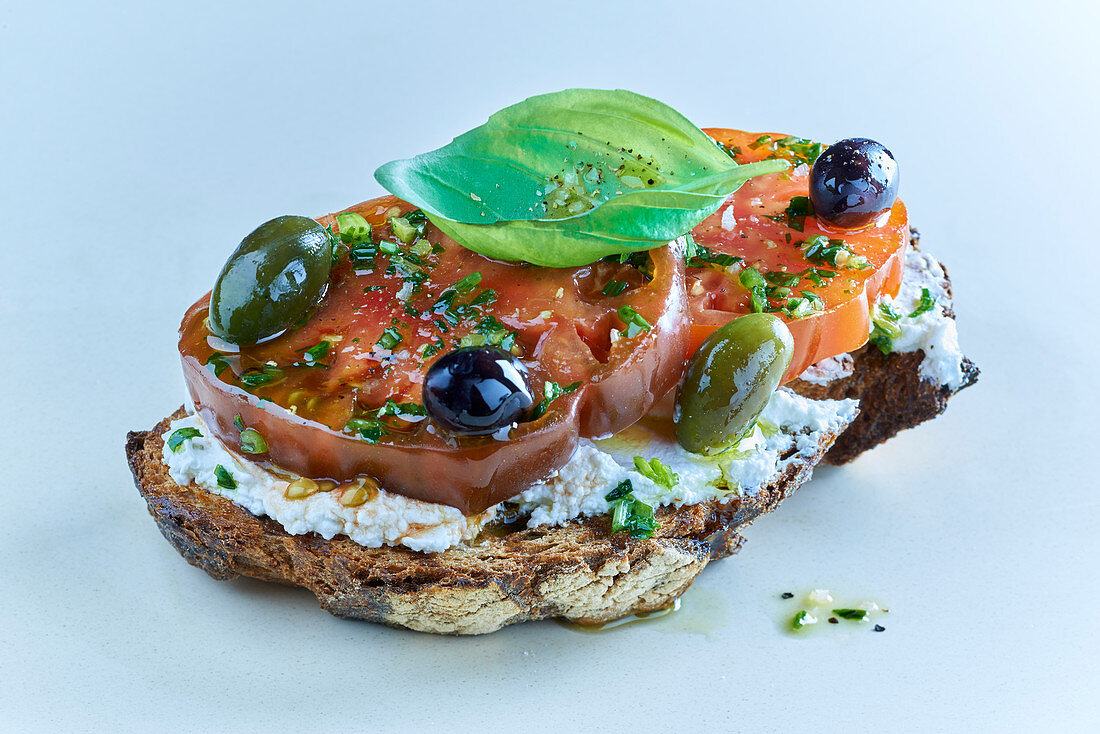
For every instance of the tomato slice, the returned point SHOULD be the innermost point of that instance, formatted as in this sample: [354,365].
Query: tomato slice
[755,225]
[385,319]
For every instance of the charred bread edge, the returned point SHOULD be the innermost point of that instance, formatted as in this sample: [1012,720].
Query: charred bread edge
[891,393]
[579,571]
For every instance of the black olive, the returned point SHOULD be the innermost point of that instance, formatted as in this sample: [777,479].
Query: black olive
[853,181]
[476,390]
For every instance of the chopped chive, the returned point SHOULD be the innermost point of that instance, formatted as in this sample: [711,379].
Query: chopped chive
[370,430]
[487,296]
[180,435]
[390,338]
[927,303]
[855,615]
[622,489]
[656,472]
[614,288]
[225,479]
[802,619]
[252,442]
[218,363]
[403,229]
[354,229]
[258,377]
[416,218]
[317,352]
[469,282]
[885,328]
[751,278]
[635,322]
[445,300]
[551,391]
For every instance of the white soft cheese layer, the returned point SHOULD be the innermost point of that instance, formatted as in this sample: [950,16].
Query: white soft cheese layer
[386,519]
[932,332]
[578,488]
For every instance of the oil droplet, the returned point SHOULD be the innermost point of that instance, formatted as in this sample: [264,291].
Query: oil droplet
[623,621]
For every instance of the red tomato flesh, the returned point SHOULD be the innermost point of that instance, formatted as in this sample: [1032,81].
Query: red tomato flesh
[384,327]
[716,295]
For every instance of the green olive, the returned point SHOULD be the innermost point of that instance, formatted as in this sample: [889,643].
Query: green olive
[729,381]
[274,277]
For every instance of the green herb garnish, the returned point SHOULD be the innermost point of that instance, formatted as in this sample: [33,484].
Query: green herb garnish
[822,250]
[622,489]
[855,615]
[468,282]
[756,284]
[402,410]
[354,229]
[630,514]
[794,216]
[656,472]
[698,256]
[390,338]
[614,288]
[635,322]
[260,376]
[885,328]
[218,363]
[252,442]
[484,298]
[370,430]
[180,435]
[403,229]
[314,354]
[225,479]
[802,619]
[801,150]
[551,391]
[927,303]
[490,332]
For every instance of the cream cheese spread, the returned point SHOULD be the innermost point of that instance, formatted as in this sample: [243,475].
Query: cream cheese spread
[932,332]
[789,422]
[384,519]
[829,369]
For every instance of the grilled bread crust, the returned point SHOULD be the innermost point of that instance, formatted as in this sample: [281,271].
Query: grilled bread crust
[578,571]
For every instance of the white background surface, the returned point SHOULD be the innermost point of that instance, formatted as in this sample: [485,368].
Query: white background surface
[139,143]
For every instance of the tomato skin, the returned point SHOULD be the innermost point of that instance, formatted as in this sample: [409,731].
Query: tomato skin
[472,476]
[845,323]
[651,364]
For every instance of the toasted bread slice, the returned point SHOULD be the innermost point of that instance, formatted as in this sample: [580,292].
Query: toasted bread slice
[578,571]
[893,395]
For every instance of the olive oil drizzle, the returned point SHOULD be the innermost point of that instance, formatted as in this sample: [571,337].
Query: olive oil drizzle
[626,621]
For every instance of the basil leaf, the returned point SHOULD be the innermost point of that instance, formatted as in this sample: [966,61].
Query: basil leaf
[567,178]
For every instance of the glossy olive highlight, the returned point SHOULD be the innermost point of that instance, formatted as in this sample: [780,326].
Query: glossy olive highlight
[274,277]
[729,381]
